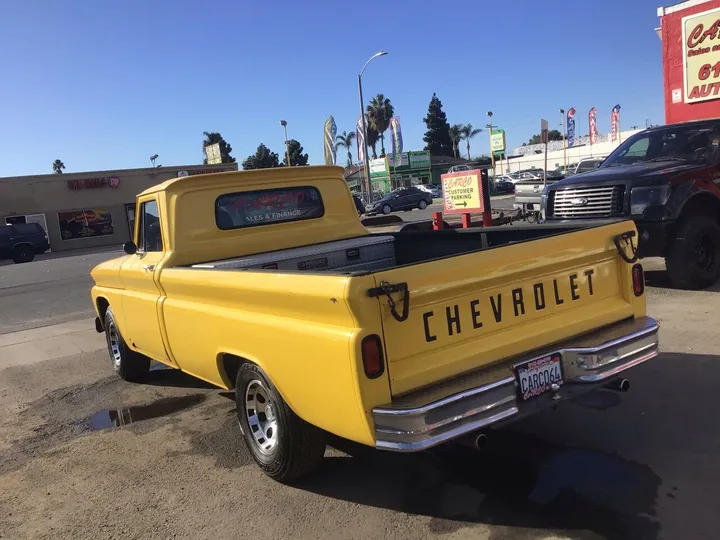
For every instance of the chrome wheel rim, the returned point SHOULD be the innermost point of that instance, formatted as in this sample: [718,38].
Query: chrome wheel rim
[114,346]
[261,415]
[386,209]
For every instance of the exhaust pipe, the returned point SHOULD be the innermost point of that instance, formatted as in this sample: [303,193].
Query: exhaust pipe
[619,385]
[481,441]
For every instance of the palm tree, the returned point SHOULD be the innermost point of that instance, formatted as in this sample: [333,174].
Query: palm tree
[346,141]
[466,133]
[456,135]
[372,138]
[380,111]
[58,166]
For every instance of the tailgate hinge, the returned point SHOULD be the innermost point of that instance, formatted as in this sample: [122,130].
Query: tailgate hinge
[627,238]
[387,289]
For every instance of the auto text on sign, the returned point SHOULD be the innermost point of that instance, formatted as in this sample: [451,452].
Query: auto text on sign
[701,56]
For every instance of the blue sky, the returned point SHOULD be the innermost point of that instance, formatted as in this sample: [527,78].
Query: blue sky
[104,85]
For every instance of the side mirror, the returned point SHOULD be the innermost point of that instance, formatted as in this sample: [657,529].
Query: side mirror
[129,247]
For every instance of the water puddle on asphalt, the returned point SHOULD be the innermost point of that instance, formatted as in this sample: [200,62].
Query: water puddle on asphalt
[111,418]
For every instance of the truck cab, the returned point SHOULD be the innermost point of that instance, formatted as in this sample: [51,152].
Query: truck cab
[667,180]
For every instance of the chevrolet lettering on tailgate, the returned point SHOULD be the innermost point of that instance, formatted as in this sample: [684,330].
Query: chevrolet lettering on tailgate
[491,309]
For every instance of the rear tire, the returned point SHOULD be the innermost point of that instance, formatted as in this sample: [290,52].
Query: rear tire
[282,444]
[129,365]
[23,254]
[422,205]
[693,258]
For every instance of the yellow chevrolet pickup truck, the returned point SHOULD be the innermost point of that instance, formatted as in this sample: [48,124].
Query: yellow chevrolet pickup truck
[267,283]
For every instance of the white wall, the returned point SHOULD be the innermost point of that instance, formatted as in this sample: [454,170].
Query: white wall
[555,157]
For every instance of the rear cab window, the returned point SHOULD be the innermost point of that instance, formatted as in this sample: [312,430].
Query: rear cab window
[268,206]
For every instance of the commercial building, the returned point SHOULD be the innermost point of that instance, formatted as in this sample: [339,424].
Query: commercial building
[532,156]
[690,34]
[407,169]
[87,209]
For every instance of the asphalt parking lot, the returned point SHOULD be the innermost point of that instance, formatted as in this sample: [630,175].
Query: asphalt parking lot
[640,465]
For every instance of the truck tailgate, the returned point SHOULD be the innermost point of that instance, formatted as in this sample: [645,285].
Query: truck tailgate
[477,309]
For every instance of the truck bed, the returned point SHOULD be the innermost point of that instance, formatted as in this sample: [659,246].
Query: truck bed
[377,252]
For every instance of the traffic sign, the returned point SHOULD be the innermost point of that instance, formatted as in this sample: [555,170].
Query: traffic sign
[544,133]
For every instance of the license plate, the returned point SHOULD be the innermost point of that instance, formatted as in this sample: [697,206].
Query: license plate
[536,377]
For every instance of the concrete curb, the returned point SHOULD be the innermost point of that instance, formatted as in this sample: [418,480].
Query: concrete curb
[49,342]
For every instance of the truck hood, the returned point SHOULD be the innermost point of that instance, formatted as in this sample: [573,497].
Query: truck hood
[641,174]
[106,273]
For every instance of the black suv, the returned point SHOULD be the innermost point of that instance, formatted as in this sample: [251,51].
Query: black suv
[666,179]
[22,241]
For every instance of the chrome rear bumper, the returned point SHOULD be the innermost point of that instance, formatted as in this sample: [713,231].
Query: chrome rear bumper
[490,396]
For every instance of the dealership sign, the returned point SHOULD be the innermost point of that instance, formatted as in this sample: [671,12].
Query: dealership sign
[91,183]
[701,56]
[463,192]
[497,141]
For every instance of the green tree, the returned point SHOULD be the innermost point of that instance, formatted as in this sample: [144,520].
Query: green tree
[263,158]
[437,137]
[346,140]
[225,148]
[553,135]
[297,158]
[58,166]
[379,113]
[372,137]
[455,135]
[466,133]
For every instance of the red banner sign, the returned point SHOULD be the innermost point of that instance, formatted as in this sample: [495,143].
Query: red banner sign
[91,183]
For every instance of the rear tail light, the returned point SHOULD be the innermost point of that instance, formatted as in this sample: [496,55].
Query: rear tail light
[372,356]
[638,279]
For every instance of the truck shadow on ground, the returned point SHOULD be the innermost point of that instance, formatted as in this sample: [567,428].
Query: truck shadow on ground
[545,473]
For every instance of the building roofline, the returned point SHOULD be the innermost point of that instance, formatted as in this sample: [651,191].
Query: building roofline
[662,11]
[109,172]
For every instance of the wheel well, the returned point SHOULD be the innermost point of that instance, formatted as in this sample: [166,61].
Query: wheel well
[23,244]
[705,204]
[102,307]
[229,365]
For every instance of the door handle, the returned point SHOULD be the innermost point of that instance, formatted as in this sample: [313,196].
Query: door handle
[148,267]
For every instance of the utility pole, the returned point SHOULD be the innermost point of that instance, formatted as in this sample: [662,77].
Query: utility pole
[364,125]
[283,123]
[489,127]
[562,125]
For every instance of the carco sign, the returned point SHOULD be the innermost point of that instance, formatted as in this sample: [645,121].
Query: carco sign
[462,192]
[91,183]
[701,56]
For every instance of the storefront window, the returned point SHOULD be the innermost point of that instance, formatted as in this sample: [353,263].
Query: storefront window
[78,224]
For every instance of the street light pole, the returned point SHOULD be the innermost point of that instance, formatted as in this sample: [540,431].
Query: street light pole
[562,124]
[283,123]
[490,128]
[364,123]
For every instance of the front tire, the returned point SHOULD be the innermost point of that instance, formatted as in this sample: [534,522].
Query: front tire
[693,259]
[282,444]
[129,365]
[386,209]
[422,205]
